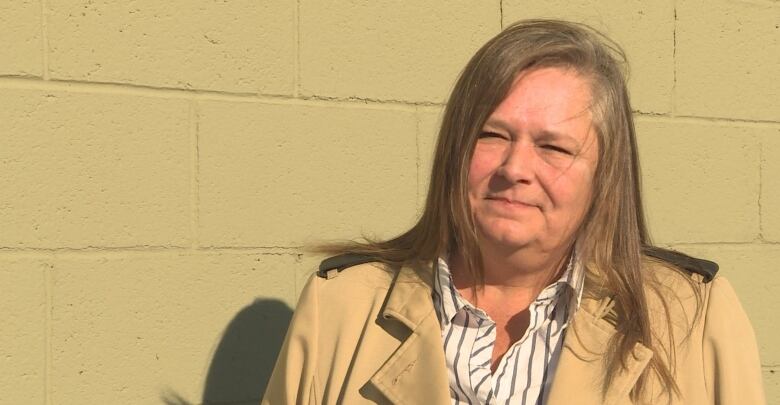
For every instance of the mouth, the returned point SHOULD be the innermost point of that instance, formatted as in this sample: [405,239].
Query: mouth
[508,201]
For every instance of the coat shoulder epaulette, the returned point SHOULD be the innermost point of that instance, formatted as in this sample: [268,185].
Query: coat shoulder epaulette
[333,265]
[706,268]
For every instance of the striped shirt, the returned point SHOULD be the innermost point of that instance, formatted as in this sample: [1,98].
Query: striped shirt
[524,373]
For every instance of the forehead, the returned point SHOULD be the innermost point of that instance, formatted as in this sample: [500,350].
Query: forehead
[549,96]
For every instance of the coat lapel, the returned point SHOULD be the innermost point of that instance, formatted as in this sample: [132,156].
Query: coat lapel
[581,366]
[416,373]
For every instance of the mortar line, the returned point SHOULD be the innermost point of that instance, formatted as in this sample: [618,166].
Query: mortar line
[47,334]
[417,149]
[76,86]
[281,249]
[44,41]
[139,248]
[373,101]
[93,249]
[297,58]
[122,253]
[501,14]
[760,189]
[194,176]
[768,123]
[702,119]
[674,61]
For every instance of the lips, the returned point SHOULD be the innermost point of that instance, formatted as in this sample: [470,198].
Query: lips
[510,201]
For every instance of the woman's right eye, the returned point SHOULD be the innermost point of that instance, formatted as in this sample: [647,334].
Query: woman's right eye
[488,134]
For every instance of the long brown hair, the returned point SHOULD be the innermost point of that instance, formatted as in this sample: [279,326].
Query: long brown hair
[612,235]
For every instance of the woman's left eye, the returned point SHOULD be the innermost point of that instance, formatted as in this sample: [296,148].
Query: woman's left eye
[556,149]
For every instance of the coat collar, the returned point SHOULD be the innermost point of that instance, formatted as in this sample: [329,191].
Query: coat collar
[409,298]
[417,371]
[580,368]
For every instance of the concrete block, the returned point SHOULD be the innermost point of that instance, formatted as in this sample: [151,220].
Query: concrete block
[770,186]
[309,264]
[644,30]
[139,328]
[20,30]
[428,124]
[85,170]
[23,333]
[772,384]
[285,175]
[389,50]
[700,180]
[235,46]
[754,272]
[726,61]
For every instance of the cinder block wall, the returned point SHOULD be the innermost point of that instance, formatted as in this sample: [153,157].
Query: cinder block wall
[163,163]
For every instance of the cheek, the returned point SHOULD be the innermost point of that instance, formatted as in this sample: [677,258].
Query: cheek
[483,165]
[570,191]
[583,194]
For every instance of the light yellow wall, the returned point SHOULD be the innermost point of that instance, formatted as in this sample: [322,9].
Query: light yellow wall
[163,162]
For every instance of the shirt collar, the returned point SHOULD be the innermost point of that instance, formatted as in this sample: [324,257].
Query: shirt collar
[449,301]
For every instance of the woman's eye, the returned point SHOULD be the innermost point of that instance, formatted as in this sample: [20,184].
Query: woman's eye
[556,149]
[487,134]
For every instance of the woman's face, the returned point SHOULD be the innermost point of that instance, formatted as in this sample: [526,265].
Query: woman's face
[531,174]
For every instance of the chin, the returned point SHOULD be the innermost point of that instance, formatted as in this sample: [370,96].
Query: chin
[506,237]
[513,242]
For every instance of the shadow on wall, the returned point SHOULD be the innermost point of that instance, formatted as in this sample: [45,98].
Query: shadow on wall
[245,357]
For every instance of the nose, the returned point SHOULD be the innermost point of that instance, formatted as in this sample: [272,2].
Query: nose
[518,163]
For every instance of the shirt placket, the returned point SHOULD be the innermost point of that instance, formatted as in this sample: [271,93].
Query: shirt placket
[481,354]
[484,385]
[502,380]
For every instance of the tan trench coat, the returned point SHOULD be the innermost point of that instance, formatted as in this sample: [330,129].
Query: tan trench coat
[370,335]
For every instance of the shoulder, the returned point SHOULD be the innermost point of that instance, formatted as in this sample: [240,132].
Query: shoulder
[677,288]
[350,276]
[701,306]
[677,271]
[674,275]
[334,265]
[668,262]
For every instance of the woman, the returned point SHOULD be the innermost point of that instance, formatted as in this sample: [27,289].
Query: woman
[530,277]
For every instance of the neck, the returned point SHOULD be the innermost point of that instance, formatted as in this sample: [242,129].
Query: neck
[523,270]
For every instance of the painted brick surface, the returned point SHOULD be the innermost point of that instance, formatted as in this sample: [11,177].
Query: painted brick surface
[772,384]
[644,29]
[700,180]
[754,272]
[154,204]
[428,123]
[309,264]
[129,329]
[727,59]
[84,170]
[20,32]
[770,186]
[237,46]
[23,331]
[286,175]
[389,50]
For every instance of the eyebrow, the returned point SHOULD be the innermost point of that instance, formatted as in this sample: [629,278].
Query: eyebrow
[545,134]
[496,122]
[548,134]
